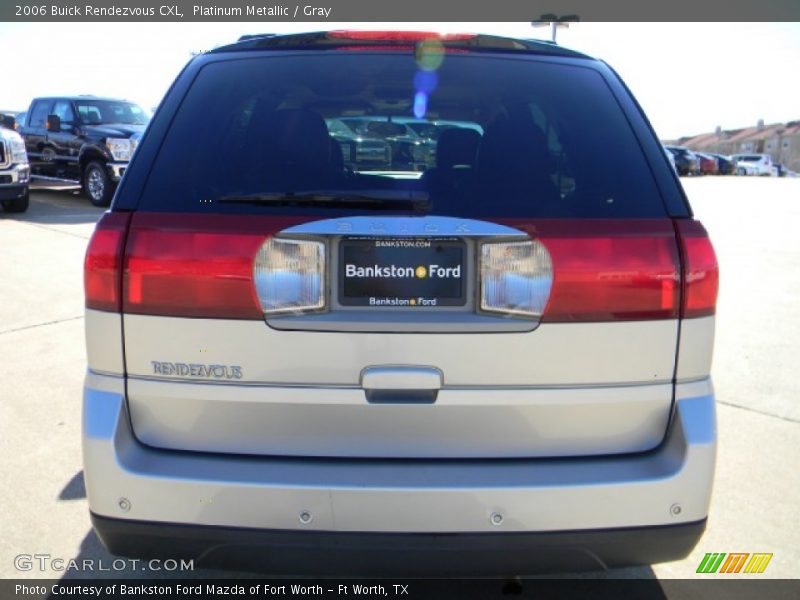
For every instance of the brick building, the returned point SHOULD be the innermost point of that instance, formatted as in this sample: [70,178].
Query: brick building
[780,140]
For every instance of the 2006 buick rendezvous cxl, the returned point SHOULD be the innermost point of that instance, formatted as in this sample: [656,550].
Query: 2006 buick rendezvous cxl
[487,353]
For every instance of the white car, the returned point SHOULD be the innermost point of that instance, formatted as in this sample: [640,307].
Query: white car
[754,164]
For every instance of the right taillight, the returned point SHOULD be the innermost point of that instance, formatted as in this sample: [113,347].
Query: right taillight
[102,265]
[700,270]
[611,270]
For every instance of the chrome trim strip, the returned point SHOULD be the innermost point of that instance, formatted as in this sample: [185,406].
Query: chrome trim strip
[55,179]
[324,386]
[401,377]
[16,174]
[400,226]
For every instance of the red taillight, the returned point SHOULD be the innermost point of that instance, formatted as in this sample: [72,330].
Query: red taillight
[195,265]
[103,262]
[609,270]
[399,36]
[700,270]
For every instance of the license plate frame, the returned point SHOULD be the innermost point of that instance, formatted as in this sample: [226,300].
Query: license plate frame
[392,272]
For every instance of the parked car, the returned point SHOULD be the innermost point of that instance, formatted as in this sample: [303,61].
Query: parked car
[6,121]
[754,164]
[298,368]
[708,164]
[19,120]
[432,130]
[410,151]
[85,139]
[360,152]
[686,160]
[726,164]
[671,158]
[14,172]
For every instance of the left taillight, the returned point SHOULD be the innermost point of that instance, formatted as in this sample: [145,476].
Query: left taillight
[102,267]
[188,265]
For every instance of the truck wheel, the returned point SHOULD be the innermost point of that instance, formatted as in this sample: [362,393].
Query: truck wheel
[17,205]
[97,185]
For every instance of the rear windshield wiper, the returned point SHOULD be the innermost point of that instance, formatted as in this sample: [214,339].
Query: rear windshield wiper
[367,199]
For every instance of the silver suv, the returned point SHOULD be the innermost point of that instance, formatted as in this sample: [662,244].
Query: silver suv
[495,364]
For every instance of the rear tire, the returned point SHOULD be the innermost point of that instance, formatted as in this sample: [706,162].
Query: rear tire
[17,205]
[97,185]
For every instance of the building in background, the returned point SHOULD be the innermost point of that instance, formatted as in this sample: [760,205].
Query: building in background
[779,140]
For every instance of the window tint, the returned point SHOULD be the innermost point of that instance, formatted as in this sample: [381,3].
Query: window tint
[96,112]
[39,113]
[484,137]
[63,109]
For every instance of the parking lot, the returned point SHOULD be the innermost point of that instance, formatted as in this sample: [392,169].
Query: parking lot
[752,221]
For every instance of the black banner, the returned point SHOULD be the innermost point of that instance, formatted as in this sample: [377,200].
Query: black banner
[712,588]
[392,10]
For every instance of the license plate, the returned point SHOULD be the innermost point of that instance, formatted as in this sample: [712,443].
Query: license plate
[390,272]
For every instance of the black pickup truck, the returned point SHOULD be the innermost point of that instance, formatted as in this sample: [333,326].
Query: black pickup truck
[86,139]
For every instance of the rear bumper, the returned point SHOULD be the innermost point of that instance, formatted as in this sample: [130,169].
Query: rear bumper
[414,554]
[204,497]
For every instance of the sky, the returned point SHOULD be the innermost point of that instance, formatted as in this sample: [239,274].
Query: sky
[688,77]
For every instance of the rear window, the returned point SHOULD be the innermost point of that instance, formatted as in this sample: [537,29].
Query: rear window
[480,136]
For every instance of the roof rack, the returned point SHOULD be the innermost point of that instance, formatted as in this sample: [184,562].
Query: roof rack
[252,36]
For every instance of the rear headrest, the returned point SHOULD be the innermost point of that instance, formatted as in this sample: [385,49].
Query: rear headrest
[337,156]
[300,137]
[510,147]
[457,146]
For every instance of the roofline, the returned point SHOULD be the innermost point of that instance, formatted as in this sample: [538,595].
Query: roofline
[320,40]
[81,97]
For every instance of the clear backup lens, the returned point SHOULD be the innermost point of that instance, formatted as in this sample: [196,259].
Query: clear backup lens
[289,276]
[516,278]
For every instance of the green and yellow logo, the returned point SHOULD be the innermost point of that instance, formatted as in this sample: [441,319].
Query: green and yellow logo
[734,562]
[421,272]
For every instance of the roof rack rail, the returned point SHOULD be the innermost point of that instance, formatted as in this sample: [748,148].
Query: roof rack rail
[253,36]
